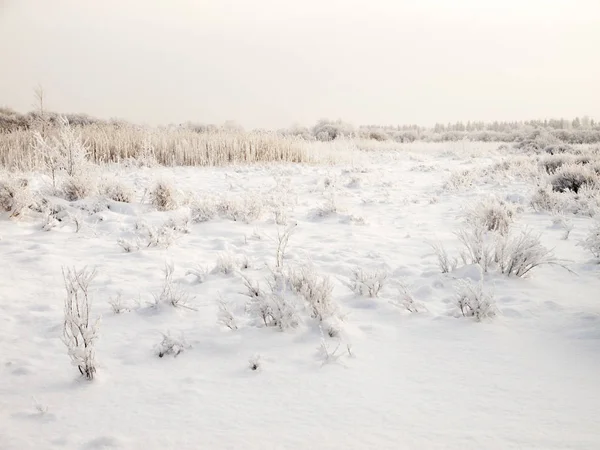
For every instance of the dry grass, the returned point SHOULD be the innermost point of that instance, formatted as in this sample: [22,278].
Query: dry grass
[169,146]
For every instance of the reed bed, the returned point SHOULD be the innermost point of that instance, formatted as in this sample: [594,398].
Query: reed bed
[168,146]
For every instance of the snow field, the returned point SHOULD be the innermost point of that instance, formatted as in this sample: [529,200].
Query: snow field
[387,378]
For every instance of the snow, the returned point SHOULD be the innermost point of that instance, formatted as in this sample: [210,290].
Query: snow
[527,378]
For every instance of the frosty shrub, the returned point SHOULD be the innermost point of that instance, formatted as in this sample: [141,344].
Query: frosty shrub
[200,272]
[247,208]
[367,282]
[460,179]
[255,362]
[552,163]
[572,178]
[162,196]
[79,330]
[326,130]
[473,301]
[315,289]
[224,316]
[588,201]
[406,300]
[592,241]
[546,199]
[77,187]
[276,308]
[282,240]
[512,254]
[128,245]
[331,354]
[150,236]
[170,345]
[564,223]
[328,208]
[282,312]
[118,305]
[445,263]
[203,210]
[116,191]
[478,246]
[253,289]
[49,221]
[15,196]
[179,224]
[170,293]
[517,255]
[537,141]
[522,167]
[584,159]
[556,149]
[281,215]
[77,219]
[226,264]
[492,214]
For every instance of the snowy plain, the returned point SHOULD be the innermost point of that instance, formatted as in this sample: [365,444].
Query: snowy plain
[528,378]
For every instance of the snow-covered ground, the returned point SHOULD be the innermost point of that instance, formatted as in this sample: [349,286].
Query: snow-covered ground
[528,378]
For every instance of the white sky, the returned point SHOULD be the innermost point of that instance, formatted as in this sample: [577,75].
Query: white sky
[270,63]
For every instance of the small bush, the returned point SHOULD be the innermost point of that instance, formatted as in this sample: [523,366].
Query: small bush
[316,291]
[163,196]
[407,301]
[203,210]
[225,317]
[460,179]
[492,214]
[116,191]
[572,178]
[556,149]
[592,241]
[79,330]
[118,305]
[552,163]
[255,363]
[564,223]
[15,196]
[518,255]
[282,240]
[171,294]
[328,208]
[276,308]
[367,282]
[200,272]
[537,141]
[478,246]
[150,236]
[546,199]
[77,188]
[245,209]
[445,263]
[472,301]
[170,345]
[227,264]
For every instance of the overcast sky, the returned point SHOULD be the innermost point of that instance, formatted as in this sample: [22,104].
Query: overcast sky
[270,63]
